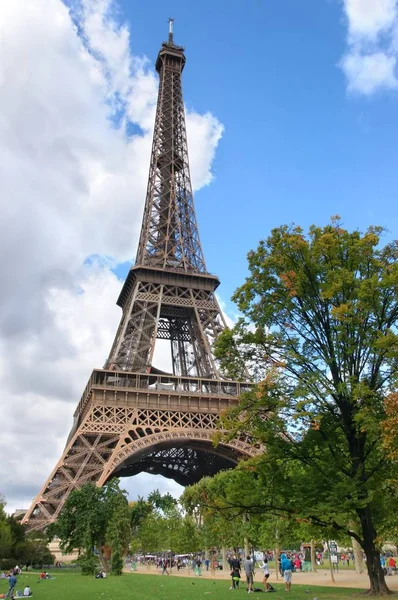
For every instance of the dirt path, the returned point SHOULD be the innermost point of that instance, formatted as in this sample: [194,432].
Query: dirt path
[344,578]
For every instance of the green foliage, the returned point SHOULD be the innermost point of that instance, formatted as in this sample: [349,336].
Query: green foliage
[159,525]
[318,333]
[140,510]
[164,502]
[19,547]
[93,517]
[6,540]
[88,563]
[117,563]
[118,530]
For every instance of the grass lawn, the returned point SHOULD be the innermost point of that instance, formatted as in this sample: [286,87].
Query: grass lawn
[74,586]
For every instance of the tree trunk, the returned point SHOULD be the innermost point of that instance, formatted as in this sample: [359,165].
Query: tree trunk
[313,560]
[375,571]
[277,552]
[330,563]
[358,557]
[103,560]
[224,558]
[357,550]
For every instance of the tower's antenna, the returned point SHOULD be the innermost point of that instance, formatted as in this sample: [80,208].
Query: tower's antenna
[171,21]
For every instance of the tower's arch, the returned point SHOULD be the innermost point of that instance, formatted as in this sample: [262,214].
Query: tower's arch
[184,455]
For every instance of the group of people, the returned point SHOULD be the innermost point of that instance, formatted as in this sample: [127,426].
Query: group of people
[12,582]
[248,568]
[286,566]
[389,564]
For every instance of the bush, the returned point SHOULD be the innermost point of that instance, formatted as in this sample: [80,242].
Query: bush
[116,563]
[88,564]
[7,563]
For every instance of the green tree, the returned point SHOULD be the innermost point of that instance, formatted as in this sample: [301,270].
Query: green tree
[118,529]
[6,537]
[159,525]
[93,518]
[140,510]
[220,524]
[36,549]
[19,547]
[163,502]
[319,335]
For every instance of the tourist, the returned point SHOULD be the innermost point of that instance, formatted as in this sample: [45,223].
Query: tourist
[207,563]
[198,567]
[287,568]
[12,582]
[249,571]
[391,565]
[297,564]
[265,574]
[27,591]
[235,573]
[163,564]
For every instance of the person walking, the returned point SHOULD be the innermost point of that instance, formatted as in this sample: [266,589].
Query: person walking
[287,568]
[163,565]
[12,582]
[249,572]
[265,568]
[235,573]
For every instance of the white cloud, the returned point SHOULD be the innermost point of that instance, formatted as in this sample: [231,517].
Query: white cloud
[368,73]
[368,18]
[73,186]
[370,61]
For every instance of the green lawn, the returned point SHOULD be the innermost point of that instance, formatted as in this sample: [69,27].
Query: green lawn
[73,586]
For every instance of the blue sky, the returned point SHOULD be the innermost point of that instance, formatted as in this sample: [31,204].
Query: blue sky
[297,146]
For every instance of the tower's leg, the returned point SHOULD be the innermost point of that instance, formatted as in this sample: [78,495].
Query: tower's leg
[82,461]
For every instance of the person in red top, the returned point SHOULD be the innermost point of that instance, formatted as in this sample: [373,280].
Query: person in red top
[391,565]
[297,564]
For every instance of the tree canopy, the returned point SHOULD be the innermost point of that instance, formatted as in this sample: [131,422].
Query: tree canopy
[318,333]
[19,547]
[95,518]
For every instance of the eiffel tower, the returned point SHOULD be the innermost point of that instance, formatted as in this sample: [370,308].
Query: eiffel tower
[133,417]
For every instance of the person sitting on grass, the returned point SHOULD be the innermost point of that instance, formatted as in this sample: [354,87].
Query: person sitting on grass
[27,591]
[101,575]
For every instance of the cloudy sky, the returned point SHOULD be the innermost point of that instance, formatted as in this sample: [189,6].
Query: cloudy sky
[291,116]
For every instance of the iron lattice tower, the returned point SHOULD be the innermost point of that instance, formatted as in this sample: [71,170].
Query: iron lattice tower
[133,417]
